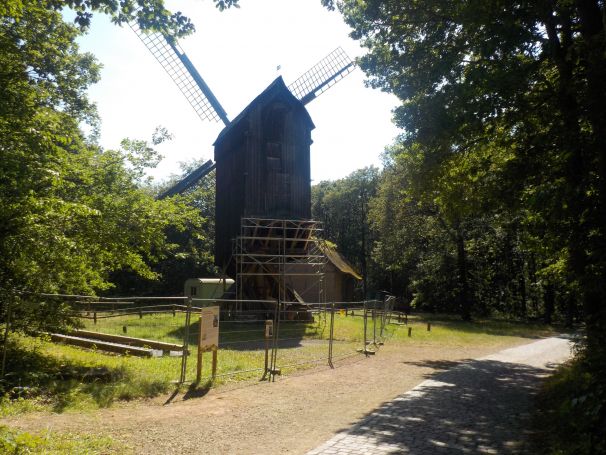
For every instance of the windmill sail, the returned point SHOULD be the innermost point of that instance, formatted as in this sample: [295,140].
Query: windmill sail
[332,68]
[323,75]
[189,180]
[174,61]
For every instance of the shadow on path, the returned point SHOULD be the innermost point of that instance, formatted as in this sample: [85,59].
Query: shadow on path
[479,406]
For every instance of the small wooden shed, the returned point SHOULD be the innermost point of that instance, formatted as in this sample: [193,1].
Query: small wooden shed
[206,288]
[339,283]
[263,167]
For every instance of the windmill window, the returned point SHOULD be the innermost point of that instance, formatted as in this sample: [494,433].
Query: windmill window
[274,164]
[274,149]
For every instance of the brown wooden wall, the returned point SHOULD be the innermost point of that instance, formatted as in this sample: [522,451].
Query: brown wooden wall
[263,166]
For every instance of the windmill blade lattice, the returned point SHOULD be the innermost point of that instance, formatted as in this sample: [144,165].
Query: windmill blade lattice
[189,180]
[179,68]
[323,75]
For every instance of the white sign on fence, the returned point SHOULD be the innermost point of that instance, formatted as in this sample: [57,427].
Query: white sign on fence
[209,328]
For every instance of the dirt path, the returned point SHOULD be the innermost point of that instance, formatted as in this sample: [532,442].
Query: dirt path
[292,415]
[478,407]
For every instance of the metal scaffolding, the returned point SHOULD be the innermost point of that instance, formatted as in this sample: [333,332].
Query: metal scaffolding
[270,253]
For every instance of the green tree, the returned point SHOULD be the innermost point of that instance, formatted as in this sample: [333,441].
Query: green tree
[71,212]
[192,253]
[343,208]
[431,229]
[474,75]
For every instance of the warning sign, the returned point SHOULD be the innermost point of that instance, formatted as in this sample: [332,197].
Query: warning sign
[209,328]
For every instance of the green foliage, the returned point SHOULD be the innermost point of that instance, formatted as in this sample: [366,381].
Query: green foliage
[343,208]
[72,213]
[503,152]
[567,419]
[150,14]
[498,121]
[192,243]
[224,4]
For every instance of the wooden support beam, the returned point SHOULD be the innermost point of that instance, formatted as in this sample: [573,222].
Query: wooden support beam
[104,345]
[130,341]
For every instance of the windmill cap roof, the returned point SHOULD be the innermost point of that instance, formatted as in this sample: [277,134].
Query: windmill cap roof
[277,86]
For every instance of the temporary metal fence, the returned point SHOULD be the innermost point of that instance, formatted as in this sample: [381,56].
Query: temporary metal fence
[264,341]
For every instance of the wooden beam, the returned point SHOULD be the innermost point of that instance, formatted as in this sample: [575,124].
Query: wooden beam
[102,345]
[130,341]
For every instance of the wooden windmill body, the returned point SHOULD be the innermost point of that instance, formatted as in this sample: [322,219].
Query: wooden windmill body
[262,166]
[262,162]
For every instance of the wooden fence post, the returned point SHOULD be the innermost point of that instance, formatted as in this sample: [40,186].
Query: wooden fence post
[269,327]
[199,366]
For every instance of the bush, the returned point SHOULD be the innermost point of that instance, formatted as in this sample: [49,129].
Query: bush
[570,412]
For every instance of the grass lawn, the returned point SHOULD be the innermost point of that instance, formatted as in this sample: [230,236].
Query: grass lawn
[449,330]
[49,376]
[16,442]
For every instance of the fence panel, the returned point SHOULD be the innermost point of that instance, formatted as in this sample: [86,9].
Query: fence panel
[301,336]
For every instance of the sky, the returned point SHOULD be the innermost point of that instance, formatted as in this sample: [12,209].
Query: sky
[238,52]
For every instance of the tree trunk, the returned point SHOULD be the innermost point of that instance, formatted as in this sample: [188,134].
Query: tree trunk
[464,303]
[532,275]
[549,303]
[523,306]
[363,261]
[570,304]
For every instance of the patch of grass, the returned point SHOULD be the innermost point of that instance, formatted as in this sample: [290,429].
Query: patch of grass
[17,442]
[567,416]
[449,330]
[58,378]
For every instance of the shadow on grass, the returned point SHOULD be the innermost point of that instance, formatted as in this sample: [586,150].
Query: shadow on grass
[60,383]
[239,336]
[496,327]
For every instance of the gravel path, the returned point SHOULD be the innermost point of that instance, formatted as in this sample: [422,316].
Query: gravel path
[479,406]
[291,416]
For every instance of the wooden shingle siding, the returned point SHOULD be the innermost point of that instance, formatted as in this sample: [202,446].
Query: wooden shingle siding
[263,166]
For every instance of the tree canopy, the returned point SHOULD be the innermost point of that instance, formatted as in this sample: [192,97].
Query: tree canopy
[72,214]
[502,107]
[343,207]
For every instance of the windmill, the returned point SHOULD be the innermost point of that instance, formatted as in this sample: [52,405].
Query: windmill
[179,67]
[261,156]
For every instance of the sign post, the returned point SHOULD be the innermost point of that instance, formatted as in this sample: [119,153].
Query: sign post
[208,339]
[269,333]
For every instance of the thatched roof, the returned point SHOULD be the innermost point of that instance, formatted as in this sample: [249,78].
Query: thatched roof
[336,259]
